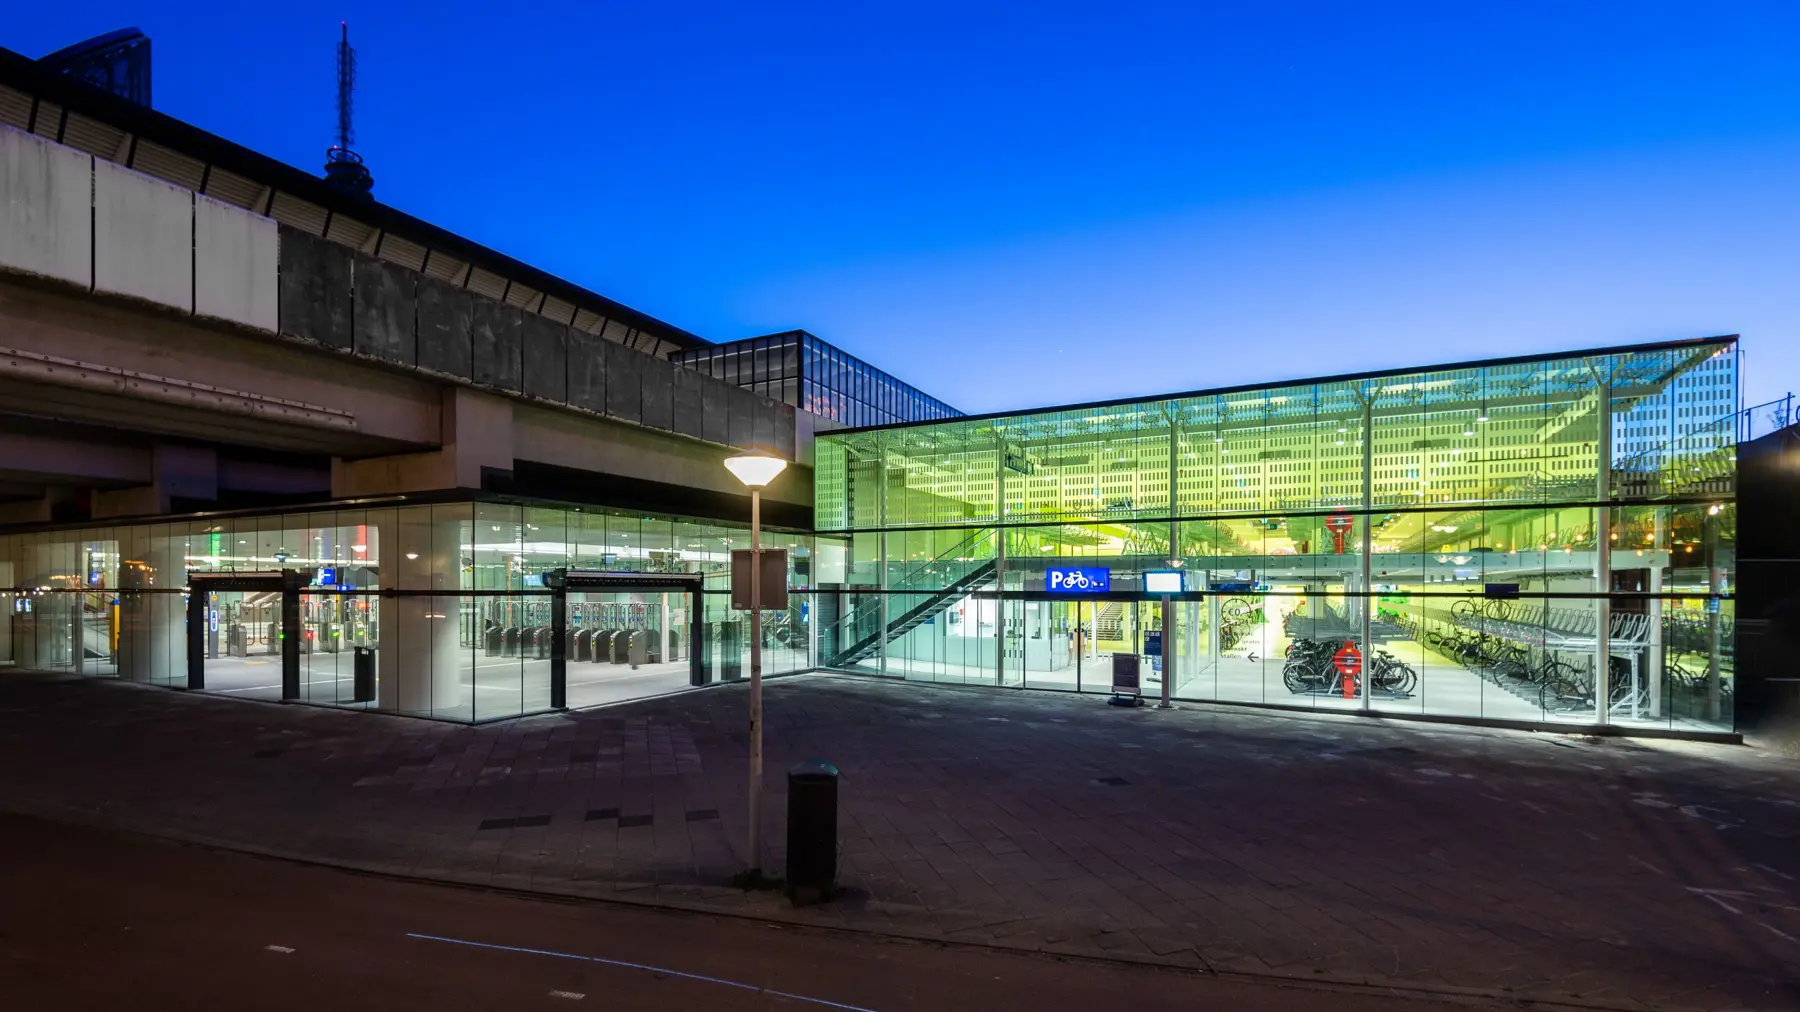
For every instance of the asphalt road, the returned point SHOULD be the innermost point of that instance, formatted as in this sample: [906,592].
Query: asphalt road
[94,920]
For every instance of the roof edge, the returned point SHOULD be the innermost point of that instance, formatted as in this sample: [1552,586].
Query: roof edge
[20,71]
[1690,342]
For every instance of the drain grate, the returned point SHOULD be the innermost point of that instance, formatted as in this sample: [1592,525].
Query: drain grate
[1113,781]
[596,814]
[702,814]
[518,822]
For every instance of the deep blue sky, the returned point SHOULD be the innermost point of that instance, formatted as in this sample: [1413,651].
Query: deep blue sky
[1040,203]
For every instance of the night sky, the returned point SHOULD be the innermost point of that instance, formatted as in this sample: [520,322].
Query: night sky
[1041,203]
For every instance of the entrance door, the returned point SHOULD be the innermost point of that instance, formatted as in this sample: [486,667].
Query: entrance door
[618,636]
[237,641]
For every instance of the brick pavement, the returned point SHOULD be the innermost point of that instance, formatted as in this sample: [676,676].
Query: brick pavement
[1609,873]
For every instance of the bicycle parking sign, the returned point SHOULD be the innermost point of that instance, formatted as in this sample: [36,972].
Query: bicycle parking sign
[1077,581]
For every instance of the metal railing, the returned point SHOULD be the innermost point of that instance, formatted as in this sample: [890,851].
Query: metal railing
[1762,419]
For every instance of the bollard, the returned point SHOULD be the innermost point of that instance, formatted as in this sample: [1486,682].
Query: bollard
[812,832]
[363,676]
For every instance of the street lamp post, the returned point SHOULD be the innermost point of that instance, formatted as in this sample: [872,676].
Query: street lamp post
[755,469]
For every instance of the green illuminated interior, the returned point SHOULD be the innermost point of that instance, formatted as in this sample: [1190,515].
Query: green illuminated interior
[1375,513]
[1514,432]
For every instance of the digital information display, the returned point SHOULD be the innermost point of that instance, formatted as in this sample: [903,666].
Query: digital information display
[1167,581]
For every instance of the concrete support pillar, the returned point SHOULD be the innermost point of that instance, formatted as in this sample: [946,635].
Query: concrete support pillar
[476,434]
[43,510]
[176,472]
[421,663]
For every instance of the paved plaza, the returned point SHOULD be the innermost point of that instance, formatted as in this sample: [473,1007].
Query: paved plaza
[1611,873]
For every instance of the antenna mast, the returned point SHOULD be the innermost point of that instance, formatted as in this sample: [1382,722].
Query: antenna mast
[344,168]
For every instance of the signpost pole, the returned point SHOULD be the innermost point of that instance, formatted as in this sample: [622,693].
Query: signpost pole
[1168,652]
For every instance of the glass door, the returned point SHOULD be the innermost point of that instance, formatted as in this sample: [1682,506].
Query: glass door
[1045,644]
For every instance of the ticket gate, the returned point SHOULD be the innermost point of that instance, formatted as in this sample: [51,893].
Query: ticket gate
[603,645]
[495,634]
[615,641]
[509,642]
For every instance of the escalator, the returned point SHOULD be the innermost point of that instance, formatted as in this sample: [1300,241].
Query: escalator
[948,578]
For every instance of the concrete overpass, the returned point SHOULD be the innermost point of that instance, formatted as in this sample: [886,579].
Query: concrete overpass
[168,347]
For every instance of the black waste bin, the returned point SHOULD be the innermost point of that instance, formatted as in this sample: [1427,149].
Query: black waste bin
[812,832]
[363,685]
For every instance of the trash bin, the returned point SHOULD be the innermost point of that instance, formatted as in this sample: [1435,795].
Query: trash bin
[363,685]
[812,832]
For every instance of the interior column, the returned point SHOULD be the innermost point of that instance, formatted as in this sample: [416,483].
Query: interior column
[420,658]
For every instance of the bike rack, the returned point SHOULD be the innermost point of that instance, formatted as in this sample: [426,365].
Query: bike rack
[1574,630]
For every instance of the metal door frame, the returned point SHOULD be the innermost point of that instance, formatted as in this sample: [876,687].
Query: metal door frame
[561,581]
[287,582]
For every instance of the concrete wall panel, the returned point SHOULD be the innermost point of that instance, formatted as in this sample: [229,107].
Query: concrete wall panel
[237,264]
[715,412]
[497,345]
[315,289]
[143,237]
[624,383]
[545,357]
[382,312]
[445,315]
[763,428]
[687,403]
[587,371]
[659,393]
[44,208]
[740,425]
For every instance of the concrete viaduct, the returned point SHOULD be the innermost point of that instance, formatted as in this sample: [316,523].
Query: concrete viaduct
[187,325]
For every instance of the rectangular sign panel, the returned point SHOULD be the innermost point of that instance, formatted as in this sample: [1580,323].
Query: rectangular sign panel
[774,572]
[1167,581]
[1059,580]
[1125,679]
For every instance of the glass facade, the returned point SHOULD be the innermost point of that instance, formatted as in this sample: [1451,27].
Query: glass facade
[442,608]
[799,369]
[1481,540]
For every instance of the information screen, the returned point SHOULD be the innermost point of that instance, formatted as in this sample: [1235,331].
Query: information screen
[1163,582]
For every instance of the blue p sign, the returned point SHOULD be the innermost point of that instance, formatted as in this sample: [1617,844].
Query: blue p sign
[1078,581]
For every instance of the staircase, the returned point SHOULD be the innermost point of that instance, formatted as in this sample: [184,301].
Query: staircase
[948,577]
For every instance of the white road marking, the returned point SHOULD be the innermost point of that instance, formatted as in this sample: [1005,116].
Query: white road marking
[642,966]
[571,995]
[284,950]
[1773,871]
[1720,902]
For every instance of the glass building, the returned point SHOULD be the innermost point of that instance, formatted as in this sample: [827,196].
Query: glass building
[799,369]
[1538,541]
[439,610]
